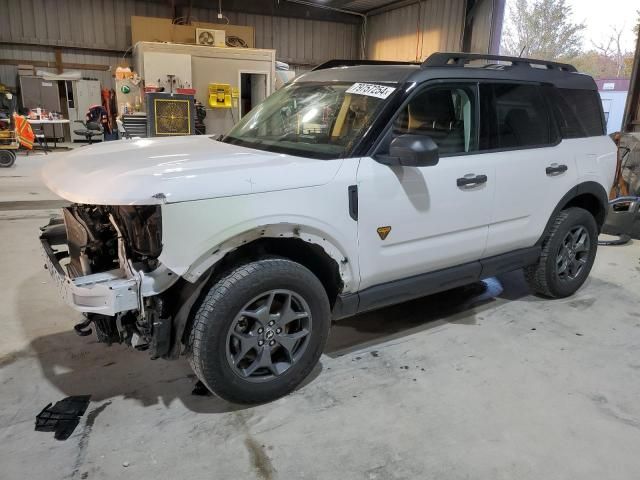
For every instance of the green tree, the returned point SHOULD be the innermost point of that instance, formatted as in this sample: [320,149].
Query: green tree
[541,29]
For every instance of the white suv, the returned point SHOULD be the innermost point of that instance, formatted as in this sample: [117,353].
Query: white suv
[352,188]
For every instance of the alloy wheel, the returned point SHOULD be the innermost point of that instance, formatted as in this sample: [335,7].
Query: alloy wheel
[573,254]
[269,335]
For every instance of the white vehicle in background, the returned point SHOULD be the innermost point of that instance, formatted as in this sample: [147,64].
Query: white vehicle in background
[352,188]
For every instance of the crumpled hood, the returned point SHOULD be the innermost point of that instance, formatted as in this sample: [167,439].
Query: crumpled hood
[156,170]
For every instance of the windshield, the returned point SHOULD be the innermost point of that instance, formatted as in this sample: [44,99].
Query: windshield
[317,120]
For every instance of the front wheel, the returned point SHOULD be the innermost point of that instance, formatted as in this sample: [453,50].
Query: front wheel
[568,253]
[259,331]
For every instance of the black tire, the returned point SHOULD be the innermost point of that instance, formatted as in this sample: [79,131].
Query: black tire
[547,277]
[7,158]
[218,318]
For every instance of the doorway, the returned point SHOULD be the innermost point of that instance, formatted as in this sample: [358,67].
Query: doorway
[253,90]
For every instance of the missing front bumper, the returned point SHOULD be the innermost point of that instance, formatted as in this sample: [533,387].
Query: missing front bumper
[105,293]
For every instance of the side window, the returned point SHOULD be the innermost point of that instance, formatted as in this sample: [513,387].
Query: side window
[513,116]
[577,112]
[446,114]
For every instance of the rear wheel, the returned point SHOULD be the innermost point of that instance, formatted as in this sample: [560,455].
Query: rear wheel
[568,253]
[7,158]
[259,331]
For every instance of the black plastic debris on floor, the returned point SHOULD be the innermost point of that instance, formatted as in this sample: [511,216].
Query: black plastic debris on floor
[63,417]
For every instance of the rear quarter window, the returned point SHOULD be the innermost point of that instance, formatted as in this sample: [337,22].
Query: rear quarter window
[578,112]
[514,116]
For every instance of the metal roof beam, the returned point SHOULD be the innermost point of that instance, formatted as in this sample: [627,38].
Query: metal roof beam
[391,6]
[631,118]
[269,7]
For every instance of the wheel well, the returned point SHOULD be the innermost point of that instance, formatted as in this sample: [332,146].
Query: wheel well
[307,254]
[590,203]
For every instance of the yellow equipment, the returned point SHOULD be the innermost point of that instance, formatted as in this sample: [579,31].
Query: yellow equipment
[220,95]
[9,144]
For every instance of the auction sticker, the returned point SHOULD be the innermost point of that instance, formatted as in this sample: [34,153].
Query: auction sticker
[370,90]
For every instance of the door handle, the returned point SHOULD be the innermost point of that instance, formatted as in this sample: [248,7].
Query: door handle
[471,179]
[555,169]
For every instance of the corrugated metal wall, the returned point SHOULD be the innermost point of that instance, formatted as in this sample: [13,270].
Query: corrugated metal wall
[101,24]
[407,33]
[482,24]
[415,31]
[105,25]
[295,40]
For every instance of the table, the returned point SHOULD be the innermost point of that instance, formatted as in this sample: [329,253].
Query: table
[42,123]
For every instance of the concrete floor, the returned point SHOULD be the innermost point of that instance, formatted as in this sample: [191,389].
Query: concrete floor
[485,382]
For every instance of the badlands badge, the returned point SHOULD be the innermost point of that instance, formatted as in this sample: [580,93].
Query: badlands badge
[383,232]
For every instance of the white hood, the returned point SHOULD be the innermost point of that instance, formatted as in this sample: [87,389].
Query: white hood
[156,170]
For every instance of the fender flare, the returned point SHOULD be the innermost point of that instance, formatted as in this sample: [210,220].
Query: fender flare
[592,188]
[305,233]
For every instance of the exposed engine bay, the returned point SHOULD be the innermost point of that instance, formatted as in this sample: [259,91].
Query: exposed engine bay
[111,242]
[93,232]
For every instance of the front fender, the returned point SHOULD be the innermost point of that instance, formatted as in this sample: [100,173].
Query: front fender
[197,235]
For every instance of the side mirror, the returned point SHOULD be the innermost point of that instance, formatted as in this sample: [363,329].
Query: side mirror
[411,150]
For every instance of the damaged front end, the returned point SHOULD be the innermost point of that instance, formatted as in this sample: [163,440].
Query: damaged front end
[104,260]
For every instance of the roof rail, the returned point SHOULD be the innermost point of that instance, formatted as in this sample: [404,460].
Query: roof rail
[351,63]
[457,59]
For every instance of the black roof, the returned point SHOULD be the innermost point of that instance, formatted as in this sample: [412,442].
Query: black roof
[361,73]
[452,66]
[351,63]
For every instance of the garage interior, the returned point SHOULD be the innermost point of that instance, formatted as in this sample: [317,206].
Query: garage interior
[484,381]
